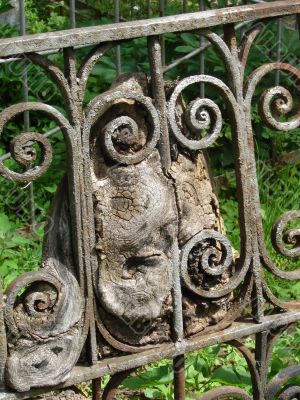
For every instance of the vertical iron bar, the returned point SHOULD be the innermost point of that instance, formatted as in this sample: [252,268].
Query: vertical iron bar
[158,90]
[72,14]
[26,113]
[162,39]
[118,48]
[96,389]
[278,48]
[261,358]
[179,378]
[148,9]
[183,6]
[202,54]
[131,9]
[248,191]
[3,341]
[277,77]
[157,81]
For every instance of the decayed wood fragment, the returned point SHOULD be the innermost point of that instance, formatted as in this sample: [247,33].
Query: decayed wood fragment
[44,323]
[139,212]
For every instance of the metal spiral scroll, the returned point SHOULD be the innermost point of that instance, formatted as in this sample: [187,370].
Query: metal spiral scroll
[290,393]
[274,388]
[201,114]
[274,101]
[282,237]
[22,149]
[101,104]
[215,259]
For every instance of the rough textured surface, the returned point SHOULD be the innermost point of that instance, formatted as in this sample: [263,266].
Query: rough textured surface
[67,395]
[139,213]
[154,26]
[44,322]
[195,268]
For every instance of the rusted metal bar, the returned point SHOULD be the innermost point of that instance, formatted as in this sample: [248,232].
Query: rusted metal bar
[118,48]
[72,14]
[248,191]
[26,113]
[194,53]
[152,27]
[179,377]
[202,54]
[96,389]
[278,48]
[261,364]
[115,381]
[159,95]
[162,39]
[148,8]
[237,330]
[158,89]
[3,341]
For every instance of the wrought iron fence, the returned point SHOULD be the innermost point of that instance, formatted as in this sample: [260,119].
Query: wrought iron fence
[136,266]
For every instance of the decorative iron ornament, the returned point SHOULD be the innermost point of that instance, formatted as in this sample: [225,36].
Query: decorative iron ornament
[136,266]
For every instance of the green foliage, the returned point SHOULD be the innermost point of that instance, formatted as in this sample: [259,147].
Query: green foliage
[212,367]
[19,253]
[46,16]
[5,6]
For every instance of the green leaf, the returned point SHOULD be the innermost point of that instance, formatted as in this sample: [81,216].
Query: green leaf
[152,378]
[190,39]
[18,240]
[151,393]
[5,225]
[184,49]
[51,189]
[8,266]
[227,376]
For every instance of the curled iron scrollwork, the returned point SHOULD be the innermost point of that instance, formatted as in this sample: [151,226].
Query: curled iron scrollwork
[226,392]
[275,386]
[22,146]
[283,237]
[201,114]
[123,129]
[215,258]
[274,101]
[24,153]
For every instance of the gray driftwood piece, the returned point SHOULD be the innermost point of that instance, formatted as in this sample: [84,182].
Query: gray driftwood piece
[44,323]
[140,212]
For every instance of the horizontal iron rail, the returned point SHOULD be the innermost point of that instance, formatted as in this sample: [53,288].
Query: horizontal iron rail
[237,330]
[142,28]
